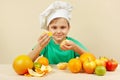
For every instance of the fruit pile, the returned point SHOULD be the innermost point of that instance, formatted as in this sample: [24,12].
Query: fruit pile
[88,63]
[23,65]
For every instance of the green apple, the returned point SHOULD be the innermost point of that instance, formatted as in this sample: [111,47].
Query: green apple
[100,70]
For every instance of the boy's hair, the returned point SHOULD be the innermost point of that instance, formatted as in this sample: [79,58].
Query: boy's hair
[57,19]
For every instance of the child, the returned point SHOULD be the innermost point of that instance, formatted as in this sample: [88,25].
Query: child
[56,19]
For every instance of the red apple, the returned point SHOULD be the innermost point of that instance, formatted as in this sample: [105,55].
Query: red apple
[111,65]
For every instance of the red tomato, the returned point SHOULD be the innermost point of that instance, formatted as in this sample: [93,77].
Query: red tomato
[111,65]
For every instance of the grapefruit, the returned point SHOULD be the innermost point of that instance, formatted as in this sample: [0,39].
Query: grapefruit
[21,64]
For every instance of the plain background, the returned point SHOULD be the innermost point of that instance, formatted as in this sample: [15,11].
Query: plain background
[95,23]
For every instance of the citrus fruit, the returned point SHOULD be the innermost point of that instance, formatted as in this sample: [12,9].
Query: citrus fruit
[33,73]
[63,42]
[36,65]
[62,65]
[43,60]
[74,65]
[49,33]
[21,64]
[85,56]
[100,70]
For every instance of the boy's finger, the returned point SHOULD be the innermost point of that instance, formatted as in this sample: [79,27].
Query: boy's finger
[41,36]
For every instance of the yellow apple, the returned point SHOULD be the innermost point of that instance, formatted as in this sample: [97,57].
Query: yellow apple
[100,62]
[104,59]
[89,66]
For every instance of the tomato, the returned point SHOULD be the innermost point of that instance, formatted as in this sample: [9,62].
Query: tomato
[111,65]
[89,66]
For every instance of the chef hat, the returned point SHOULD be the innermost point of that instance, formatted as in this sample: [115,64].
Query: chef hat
[55,10]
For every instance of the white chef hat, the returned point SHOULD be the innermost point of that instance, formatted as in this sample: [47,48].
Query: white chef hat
[55,10]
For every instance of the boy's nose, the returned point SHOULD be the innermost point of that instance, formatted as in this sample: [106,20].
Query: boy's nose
[58,31]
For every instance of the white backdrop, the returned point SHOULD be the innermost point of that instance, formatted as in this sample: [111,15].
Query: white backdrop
[96,23]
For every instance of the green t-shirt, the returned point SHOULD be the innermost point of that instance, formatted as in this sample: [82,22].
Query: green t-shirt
[55,55]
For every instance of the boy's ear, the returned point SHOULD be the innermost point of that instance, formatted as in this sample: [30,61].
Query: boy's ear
[69,27]
[47,27]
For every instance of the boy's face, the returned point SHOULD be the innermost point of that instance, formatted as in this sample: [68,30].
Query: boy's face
[60,28]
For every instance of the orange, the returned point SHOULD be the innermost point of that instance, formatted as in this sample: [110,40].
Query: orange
[21,64]
[43,60]
[74,65]
[49,33]
[85,56]
[64,42]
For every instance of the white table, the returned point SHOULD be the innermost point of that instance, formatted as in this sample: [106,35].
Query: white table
[7,73]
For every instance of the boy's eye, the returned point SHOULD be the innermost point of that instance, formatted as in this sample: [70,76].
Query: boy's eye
[63,27]
[54,27]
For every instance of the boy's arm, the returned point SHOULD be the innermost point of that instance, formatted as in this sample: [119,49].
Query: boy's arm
[78,50]
[70,45]
[42,42]
[35,52]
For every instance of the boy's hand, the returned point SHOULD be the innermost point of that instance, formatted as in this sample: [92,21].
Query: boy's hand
[43,40]
[67,45]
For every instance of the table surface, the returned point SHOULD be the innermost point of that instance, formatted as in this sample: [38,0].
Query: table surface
[7,73]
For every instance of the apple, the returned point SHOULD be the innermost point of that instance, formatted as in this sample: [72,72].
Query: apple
[100,70]
[100,62]
[111,65]
[104,58]
[89,66]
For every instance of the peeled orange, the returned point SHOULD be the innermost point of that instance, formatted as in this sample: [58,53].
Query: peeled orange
[21,64]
